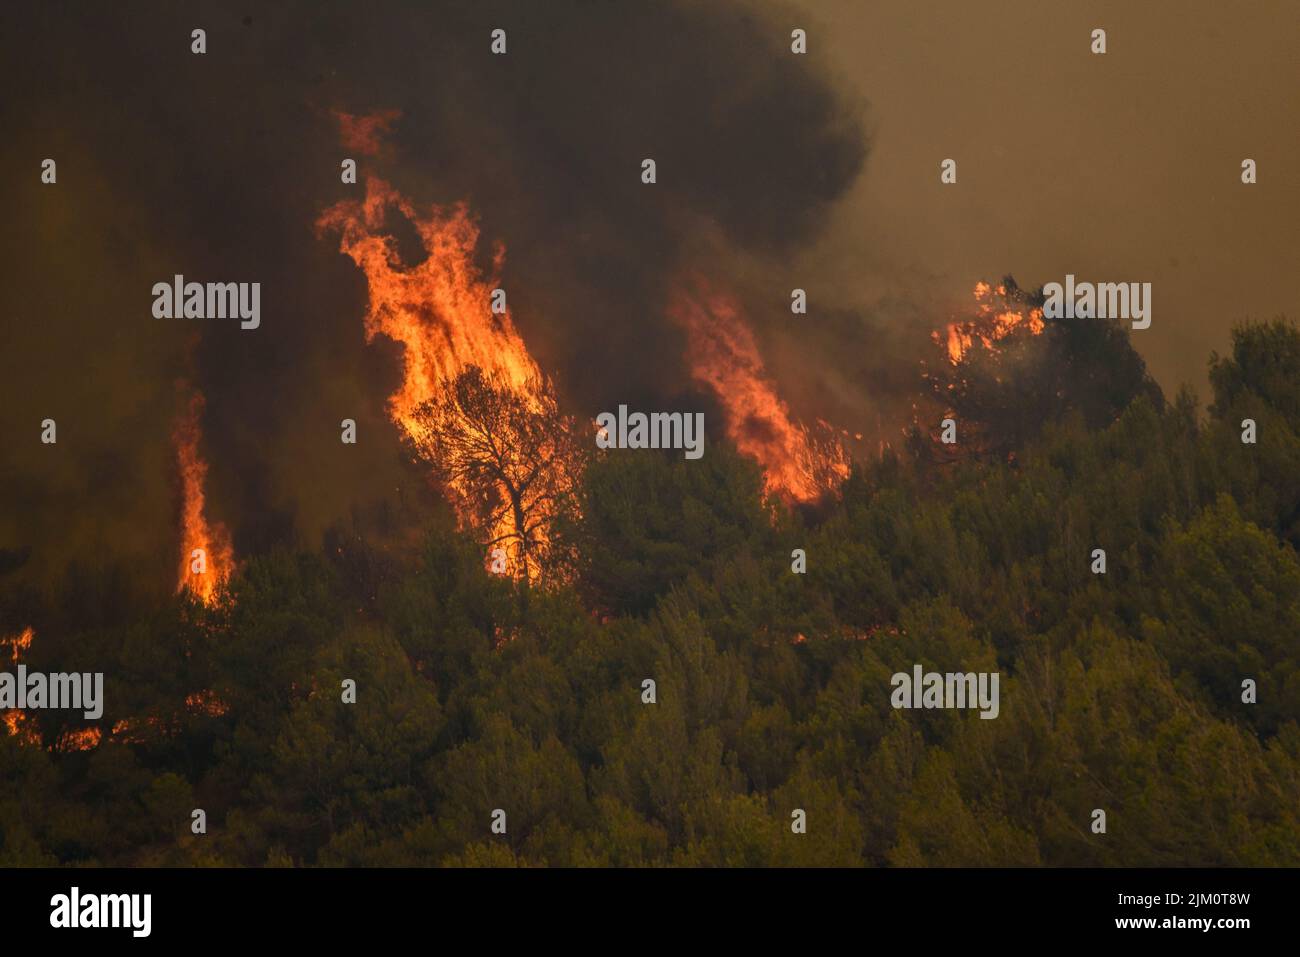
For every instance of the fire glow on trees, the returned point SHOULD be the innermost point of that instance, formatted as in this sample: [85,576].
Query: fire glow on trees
[1007,369]
[797,465]
[510,462]
[14,719]
[997,316]
[18,724]
[207,556]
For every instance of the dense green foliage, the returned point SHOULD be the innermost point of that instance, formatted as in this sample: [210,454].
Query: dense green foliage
[1119,691]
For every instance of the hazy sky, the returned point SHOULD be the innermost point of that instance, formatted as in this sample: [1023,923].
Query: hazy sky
[1122,166]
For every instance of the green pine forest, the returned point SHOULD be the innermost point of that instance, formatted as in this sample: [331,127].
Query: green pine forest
[1119,691]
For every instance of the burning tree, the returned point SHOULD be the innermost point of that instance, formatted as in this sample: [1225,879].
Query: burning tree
[509,460]
[1010,370]
[473,402]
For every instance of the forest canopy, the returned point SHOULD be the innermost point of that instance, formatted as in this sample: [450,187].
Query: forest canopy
[1120,691]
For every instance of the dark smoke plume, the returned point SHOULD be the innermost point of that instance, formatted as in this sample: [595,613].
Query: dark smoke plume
[216,166]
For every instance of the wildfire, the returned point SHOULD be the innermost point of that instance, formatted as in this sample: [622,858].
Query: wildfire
[723,354]
[79,739]
[440,310]
[997,316]
[17,723]
[127,730]
[15,720]
[206,553]
[206,703]
[19,643]
[141,730]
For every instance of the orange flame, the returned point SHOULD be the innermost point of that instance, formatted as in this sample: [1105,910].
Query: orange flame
[439,309]
[19,643]
[206,703]
[197,533]
[17,723]
[79,739]
[15,720]
[723,354]
[126,730]
[996,318]
[140,730]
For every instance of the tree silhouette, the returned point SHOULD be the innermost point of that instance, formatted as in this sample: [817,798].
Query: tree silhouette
[509,461]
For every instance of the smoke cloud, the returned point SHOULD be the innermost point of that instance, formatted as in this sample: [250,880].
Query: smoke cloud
[218,165]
